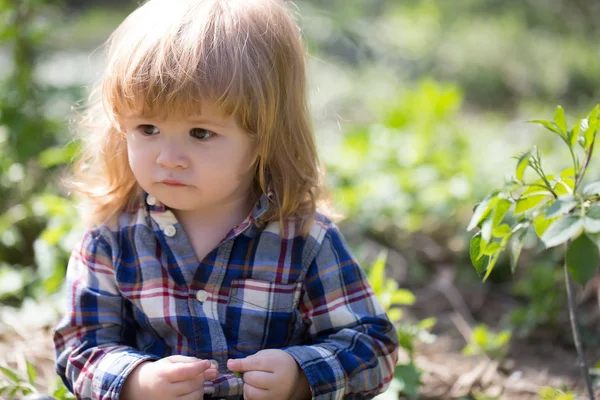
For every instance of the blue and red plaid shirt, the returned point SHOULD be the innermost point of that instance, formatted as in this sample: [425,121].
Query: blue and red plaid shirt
[137,292]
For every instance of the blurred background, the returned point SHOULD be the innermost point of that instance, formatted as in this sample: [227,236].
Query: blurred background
[419,109]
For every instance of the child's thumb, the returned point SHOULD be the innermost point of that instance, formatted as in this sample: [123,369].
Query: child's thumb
[182,359]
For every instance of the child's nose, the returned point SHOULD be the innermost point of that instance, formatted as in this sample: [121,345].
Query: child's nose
[171,157]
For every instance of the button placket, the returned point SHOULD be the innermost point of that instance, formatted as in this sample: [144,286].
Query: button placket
[170,231]
[151,200]
[202,296]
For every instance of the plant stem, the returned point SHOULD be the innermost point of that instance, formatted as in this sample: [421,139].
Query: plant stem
[548,186]
[577,335]
[588,157]
[575,166]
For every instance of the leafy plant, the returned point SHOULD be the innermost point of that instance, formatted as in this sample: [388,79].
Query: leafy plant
[16,385]
[484,341]
[35,218]
[407,376]
[555,207]
[387,290]
[549,393]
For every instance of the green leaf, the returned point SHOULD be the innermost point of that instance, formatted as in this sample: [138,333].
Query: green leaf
[10,374]
[550,393]
[541,223]
[592,189]
[517,241]
[404,297]
[592,127]
[522,165]
[428,323]
[593,212]
[490,265]
[409,378]
[486,232]
[376,273]
[492,249]
[394,314]
[564,186]
[500,210]
[560,121]
[548,125]
[560,206]
[501,231]
[529,202]
[58,155]
[582,259]
[60,392]
[482,210]
[591,222]
[562,230]
[568,173]
[31,374]
[479,261]
[591,225]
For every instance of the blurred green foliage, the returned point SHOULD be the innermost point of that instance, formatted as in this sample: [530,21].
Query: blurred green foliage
[35,218]
[407,375]
[16,386]
[544,297]
[485,341]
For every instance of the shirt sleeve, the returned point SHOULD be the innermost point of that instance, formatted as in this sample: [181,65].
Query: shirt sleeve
[352,343]
[93,342]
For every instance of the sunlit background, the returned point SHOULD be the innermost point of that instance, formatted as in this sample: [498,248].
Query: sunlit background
[420,108]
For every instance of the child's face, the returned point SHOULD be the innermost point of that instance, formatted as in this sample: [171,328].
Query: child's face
[196,164]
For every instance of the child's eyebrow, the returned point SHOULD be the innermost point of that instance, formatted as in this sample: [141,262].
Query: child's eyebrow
[216,122]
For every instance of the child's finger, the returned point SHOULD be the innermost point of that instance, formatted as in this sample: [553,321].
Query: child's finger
[198,394]
[181,359]
[250,363]
[260,379]
[191,385]
[179,372]
[211,374]
[251,392]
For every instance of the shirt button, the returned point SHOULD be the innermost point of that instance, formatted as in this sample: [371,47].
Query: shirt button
[201,295]
[151,200]
[170,231]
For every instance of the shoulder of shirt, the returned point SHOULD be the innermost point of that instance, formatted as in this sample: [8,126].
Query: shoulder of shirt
[110,231]
[291,229]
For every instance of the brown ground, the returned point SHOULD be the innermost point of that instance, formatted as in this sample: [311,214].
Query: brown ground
[546,358]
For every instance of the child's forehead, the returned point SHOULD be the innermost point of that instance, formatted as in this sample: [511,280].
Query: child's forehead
[209,115]
[205,112]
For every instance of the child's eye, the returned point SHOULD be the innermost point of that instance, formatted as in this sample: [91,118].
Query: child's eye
[201,134]
[148,130]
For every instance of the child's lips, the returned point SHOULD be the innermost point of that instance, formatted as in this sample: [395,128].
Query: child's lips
[172,182]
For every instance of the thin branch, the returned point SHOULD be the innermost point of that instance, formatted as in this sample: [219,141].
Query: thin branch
[575,166]
[576,334]
[588,157]
[543,177]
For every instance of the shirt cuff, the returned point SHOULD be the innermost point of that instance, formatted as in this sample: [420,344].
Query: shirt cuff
[112,371]
[323,370]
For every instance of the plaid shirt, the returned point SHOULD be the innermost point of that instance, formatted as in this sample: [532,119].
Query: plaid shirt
[137,292]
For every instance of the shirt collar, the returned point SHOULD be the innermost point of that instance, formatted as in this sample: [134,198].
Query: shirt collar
[158,211]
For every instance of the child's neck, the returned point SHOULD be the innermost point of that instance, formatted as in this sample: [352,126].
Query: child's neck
[206,228]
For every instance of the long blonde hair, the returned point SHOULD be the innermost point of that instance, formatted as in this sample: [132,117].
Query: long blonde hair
[244,56]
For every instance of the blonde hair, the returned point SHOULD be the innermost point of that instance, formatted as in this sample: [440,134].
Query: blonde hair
[246,57]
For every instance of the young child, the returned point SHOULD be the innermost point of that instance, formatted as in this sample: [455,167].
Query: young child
[206,269]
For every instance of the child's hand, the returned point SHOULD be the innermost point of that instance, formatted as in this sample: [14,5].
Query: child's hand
[271,375]
[175,377]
